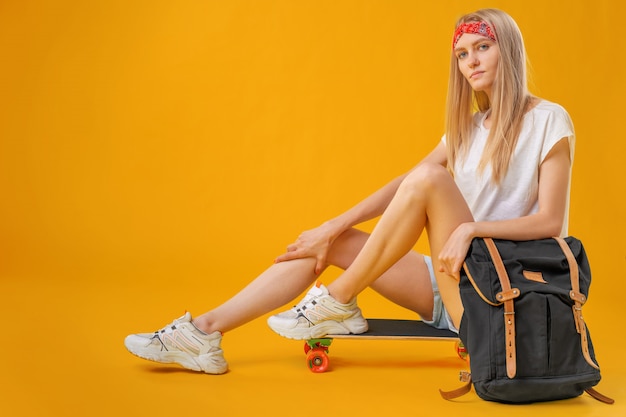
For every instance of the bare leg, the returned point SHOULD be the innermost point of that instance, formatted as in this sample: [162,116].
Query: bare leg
[275,287]
[427,199]
[407,283]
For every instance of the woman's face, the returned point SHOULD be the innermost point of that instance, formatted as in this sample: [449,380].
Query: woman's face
[478,59]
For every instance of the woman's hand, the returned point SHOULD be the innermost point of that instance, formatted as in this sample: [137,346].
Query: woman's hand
[313,243]
[453,253]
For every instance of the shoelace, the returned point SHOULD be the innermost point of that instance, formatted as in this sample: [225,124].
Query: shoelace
[171,326]
[307,298]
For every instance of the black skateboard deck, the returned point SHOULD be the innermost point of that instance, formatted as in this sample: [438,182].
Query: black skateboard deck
[388,329]
[399,329]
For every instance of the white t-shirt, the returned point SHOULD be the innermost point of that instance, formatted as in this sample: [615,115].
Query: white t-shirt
[517,195]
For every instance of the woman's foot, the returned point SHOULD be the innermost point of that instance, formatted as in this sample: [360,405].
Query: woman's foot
[318,315]
[183,343]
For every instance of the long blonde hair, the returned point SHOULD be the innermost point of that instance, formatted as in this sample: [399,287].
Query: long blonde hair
[510,98]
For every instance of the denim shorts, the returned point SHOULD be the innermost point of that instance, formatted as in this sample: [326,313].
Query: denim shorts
[441,319]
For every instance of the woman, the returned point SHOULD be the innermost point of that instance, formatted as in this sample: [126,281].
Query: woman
[502,171]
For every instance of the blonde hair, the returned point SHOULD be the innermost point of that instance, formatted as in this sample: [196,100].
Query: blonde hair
[510,98]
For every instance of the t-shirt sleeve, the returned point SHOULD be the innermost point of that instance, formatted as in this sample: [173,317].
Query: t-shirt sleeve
[559,126]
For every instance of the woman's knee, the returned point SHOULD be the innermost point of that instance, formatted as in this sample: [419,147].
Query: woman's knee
[425,177]
[346,247]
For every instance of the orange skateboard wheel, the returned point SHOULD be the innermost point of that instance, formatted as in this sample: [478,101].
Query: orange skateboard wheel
[317,360]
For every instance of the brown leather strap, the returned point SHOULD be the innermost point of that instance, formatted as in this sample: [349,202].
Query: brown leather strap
[451,395]
[602,398]
[477,288]
[579,299]
[506,296]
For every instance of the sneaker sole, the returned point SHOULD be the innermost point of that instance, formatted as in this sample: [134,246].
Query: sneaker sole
[208,363]
[321,329]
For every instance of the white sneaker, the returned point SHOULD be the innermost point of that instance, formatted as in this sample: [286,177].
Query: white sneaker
[318,315]
[183,343]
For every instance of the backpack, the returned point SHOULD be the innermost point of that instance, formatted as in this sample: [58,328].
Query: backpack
[522,323]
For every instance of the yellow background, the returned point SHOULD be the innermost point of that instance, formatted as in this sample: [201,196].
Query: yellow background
[156,155]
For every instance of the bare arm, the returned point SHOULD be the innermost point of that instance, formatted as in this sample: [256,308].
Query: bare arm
[315,242]
[546,222]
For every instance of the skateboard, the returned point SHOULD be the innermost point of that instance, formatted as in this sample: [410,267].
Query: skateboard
[317,349]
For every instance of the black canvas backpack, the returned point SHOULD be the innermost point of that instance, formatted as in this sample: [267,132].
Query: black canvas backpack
[522,323]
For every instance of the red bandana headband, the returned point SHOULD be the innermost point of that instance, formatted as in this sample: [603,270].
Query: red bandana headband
[481,28]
